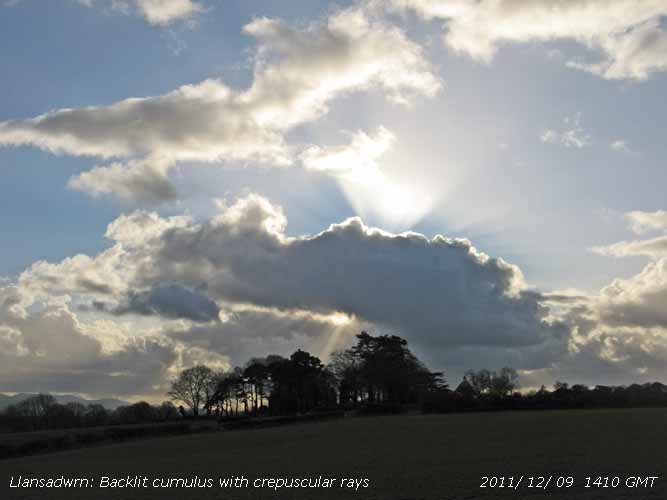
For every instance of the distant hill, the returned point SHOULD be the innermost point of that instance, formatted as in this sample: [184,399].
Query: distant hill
[110,404]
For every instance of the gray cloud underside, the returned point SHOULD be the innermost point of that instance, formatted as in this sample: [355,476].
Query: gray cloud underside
[169,301]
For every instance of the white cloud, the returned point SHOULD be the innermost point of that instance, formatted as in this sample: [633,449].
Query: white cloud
[298,73]
[155,12]
[139,181]
[621,332]
[654,248]
[359,157]
[550,136]
[619,335]
[164,12]
[626,33]
[621,146]
[642,222]
[639,300]
[572,134]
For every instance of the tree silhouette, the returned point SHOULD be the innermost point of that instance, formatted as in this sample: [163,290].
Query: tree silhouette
[381,370]
[194,387]
[256,373]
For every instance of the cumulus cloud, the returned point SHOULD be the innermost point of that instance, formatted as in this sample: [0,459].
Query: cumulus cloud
[298,72]
[397,280]
[47,349]
[642,222]
[639,300]
[628,34]
[572,134]
[238,285]
[445,296]
[620,333]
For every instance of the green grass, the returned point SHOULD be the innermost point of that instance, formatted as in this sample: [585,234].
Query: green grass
[405,457]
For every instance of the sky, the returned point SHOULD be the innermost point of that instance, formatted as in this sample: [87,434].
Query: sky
[206,181]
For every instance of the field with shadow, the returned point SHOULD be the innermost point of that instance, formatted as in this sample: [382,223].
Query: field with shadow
[403,457]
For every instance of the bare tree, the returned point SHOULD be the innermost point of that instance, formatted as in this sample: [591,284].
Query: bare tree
[505,382]
[480,381]
[193,387]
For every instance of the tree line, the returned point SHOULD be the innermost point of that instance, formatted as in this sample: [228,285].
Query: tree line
[378,374]
[485,390]
[376,370]
[43,412]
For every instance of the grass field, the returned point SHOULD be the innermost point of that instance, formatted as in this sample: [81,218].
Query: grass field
[404,457]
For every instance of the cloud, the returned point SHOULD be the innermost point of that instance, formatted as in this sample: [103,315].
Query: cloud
[572,134]
[639,300]
[630,312]
[236,285]
[620,333]
[437,291]
[46,349]
[627,34]
[621,146]
[298,72]
[202,122]
[155,12]
[163,12]
[550,136]
[642,222]
[249,331]
[138,181]
[654,248]
[111,273]
[360,157]
[168,301]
